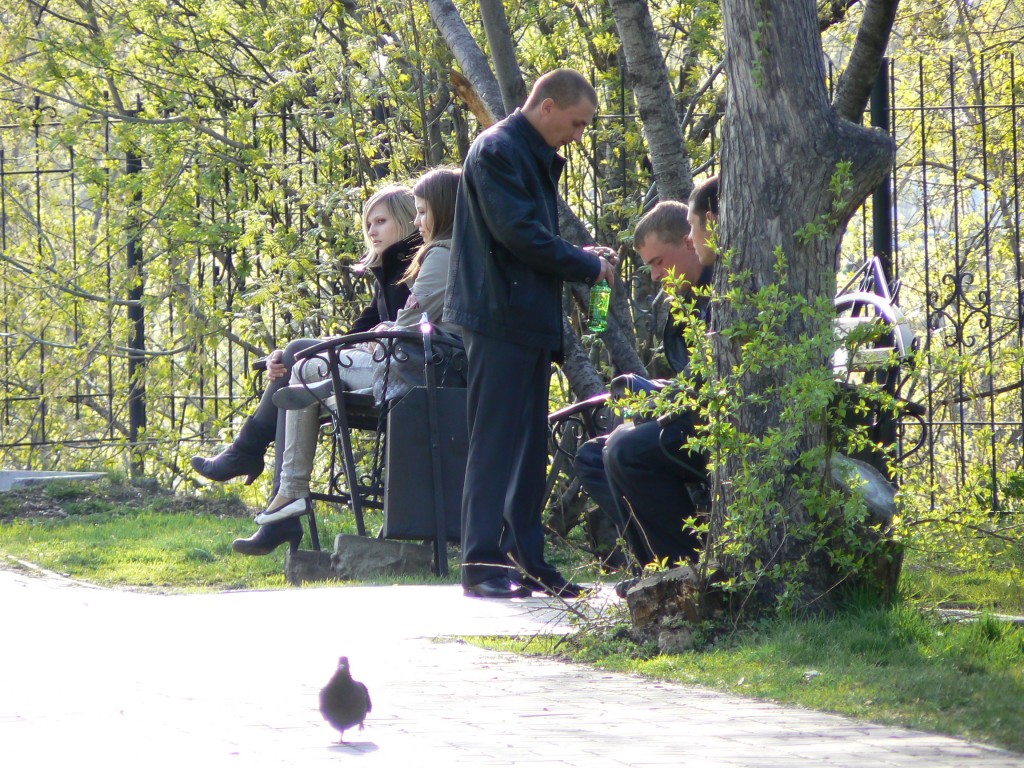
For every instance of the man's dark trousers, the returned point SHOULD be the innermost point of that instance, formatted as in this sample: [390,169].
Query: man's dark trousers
[648,479]
[507,402]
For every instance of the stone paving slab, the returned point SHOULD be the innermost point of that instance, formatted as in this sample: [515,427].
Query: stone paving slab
[129,679]
[11,479]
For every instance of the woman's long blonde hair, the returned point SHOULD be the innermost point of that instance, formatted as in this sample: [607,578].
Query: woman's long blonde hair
[438,189]
[400,205]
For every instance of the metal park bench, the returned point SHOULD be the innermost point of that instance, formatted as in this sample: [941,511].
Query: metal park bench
[400,448]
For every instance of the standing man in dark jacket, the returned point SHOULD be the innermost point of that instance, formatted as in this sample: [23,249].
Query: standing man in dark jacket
[505,289]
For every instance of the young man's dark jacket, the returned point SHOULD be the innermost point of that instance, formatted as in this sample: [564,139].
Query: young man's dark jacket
[508,262]
[677,354]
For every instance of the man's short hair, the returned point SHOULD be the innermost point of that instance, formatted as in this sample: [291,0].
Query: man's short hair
[704,198]
[566,87]
[666,221]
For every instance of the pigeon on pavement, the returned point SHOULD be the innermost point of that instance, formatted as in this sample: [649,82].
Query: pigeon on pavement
[344,702]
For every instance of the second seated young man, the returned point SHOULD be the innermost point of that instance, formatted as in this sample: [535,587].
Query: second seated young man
[640,475]
[505,278]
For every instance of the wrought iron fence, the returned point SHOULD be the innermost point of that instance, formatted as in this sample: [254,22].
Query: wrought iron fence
[956,253]
[166,352]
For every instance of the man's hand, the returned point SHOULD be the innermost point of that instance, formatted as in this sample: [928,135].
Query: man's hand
[609,261]
[275,368]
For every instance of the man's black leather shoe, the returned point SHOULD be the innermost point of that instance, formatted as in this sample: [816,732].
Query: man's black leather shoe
[496,587]
[556,587]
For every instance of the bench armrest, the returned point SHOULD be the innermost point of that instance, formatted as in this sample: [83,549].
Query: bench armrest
[403,358]
[574,409]
[349,340]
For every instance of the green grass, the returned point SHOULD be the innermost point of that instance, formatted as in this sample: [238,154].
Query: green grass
[898,666]
[145,548]
[113,534]
[997,588]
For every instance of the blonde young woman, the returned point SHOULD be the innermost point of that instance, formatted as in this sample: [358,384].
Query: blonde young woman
[391,243]
[434,195]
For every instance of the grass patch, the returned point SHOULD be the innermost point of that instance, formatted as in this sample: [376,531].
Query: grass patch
[147,548]
[114,534]
[996,587]
[899,666]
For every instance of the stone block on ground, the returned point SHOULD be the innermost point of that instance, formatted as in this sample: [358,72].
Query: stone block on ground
[304,565]
[662,598]
[666,606]
[11,479]
[854,475]
[362,558]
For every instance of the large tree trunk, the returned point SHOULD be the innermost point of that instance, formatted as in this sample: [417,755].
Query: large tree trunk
[649,78]
[781,145]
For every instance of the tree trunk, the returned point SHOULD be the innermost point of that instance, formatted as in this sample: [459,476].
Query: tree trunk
[649,78]
[619,338]
[781,146]
[503,51]
[471,58]
[579,370]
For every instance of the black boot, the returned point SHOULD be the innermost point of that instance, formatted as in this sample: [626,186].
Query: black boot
[270,536]
[243,457]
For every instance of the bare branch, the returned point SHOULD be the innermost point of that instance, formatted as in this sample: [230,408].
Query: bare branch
[654,97]
[503,51]
[129,118]
[465,91]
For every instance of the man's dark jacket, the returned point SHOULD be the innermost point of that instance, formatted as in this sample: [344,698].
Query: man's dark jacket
[508,262]
[677,354]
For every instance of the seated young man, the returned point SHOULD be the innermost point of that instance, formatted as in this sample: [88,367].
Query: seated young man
[640,474]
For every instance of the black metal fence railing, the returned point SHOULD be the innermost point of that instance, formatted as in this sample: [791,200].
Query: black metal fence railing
[957,234]
[127,323]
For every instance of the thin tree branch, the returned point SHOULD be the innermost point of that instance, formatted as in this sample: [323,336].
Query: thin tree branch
[865,60]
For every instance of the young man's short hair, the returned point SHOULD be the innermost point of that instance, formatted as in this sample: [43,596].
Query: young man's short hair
[666,221]
[566,87]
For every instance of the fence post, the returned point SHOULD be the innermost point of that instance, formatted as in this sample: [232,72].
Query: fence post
[882,225]
[137,324]
[881,205]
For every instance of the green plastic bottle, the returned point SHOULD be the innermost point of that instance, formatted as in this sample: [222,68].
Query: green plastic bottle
[600,295]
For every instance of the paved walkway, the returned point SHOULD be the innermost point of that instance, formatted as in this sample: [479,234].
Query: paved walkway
[93,676]
[18,478]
